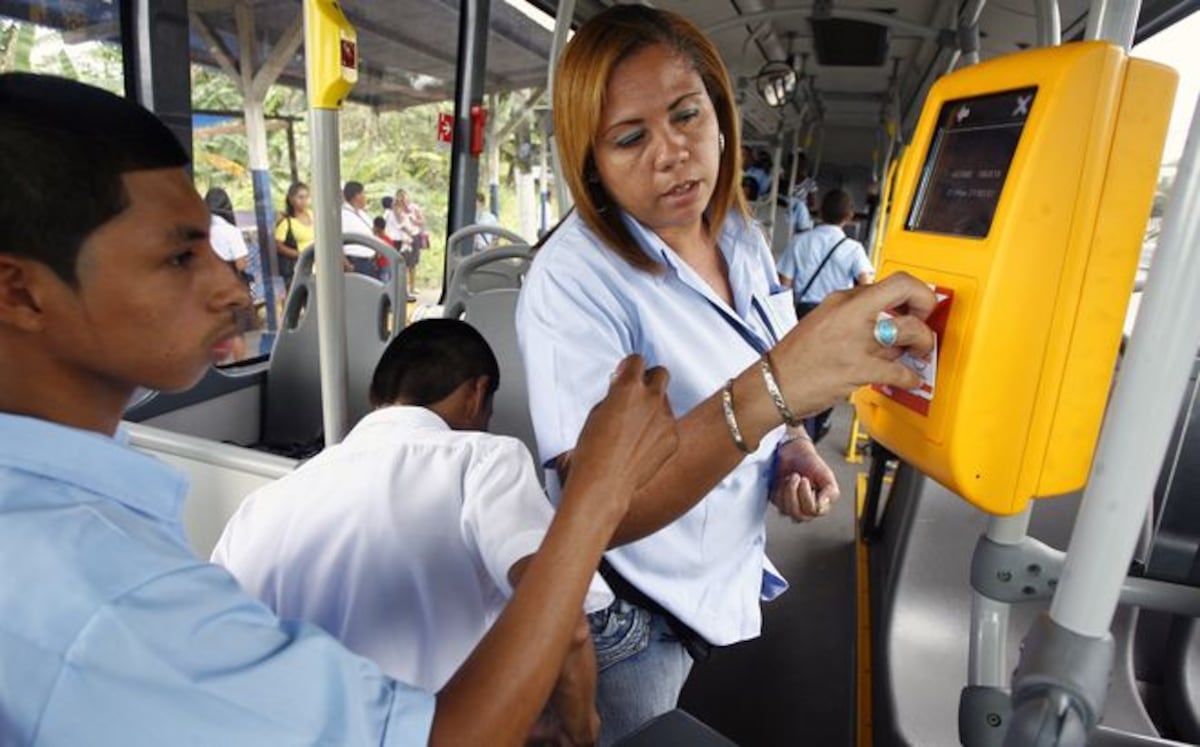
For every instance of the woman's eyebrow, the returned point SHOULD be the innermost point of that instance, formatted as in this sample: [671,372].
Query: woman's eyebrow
[637,120]
[675,104]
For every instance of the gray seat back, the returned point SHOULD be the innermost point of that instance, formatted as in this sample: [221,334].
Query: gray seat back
[1174,553]
[464,259]
[292,402]
[494,269]
[493,313]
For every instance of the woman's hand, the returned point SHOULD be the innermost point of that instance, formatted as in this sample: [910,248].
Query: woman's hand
[803,486]
[833,350]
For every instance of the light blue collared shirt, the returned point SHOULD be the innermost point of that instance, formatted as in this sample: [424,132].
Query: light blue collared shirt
[805,253]
[113,633]
[582,309]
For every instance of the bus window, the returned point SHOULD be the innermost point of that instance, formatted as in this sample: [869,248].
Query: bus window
[81,43]
[515,174]
[405,170]
[1174,46]
[389,143]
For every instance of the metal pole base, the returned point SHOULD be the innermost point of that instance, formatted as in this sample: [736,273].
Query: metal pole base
[1059,687]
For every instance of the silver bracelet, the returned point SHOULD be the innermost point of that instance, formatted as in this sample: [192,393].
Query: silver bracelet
[731,420]
[785,412]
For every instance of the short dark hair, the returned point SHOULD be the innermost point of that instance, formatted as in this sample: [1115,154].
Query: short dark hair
[379,223]
[352,190]
[430,359]
[837,206]
[750,187]
[67,143]
[219,203]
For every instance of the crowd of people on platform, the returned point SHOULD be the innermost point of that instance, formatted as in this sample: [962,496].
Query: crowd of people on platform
[401,225]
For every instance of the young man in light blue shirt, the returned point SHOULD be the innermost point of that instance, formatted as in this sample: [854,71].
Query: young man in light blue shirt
[111,631]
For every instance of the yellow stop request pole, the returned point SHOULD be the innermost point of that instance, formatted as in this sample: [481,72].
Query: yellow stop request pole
[331,57]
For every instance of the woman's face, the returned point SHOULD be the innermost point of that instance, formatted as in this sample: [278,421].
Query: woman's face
[300,201]
[657,152]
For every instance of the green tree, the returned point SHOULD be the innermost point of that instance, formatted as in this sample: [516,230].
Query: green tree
[16,45]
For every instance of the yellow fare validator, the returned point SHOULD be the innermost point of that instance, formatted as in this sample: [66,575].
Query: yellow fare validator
[1023,200]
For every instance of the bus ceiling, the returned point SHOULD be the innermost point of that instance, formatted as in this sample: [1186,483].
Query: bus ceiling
[859,66]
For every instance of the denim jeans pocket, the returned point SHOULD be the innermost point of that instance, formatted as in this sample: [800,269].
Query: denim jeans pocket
[619,631]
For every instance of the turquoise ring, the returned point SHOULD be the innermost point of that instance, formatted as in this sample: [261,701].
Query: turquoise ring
[886,332]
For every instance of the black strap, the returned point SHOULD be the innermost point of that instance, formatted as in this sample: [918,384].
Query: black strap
[808,285]
[743,329]
[698,648]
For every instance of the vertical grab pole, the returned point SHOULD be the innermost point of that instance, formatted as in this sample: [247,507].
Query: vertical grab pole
[820,137]
[1114,21]
[331,57]
[1049,23]
[987,664]
[1137,428]
[473,22]
[776,168]
[562,26]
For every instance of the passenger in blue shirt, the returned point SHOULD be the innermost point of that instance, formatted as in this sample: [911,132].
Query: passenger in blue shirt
[660,258]
[111,631]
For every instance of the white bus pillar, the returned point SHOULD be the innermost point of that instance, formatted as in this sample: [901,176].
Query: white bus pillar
[254,82]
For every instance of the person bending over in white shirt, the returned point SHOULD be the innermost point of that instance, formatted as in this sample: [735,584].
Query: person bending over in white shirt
[404,540]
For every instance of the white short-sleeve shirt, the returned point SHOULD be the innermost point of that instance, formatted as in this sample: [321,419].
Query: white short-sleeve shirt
[582,309]
[805,253]
[485,240]
[357,221]
[399,229]
[398,541]
[227,240]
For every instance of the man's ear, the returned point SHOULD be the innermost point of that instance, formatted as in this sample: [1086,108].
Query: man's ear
[477,395]
[24,291]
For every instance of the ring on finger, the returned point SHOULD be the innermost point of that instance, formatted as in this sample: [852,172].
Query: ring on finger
[886,332]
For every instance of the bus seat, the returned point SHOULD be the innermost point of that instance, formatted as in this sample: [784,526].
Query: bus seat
[494,313]
[675,728]
[1174,553]
[292,401]
[494,269]
[219,476]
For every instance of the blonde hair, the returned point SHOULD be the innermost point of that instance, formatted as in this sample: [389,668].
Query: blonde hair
[588,62]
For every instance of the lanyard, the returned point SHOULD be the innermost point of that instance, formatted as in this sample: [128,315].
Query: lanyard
[751,339]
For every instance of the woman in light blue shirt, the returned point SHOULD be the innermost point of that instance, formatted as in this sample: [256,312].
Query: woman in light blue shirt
[660,258]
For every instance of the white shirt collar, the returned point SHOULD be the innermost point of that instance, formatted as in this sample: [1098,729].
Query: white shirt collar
[408,416]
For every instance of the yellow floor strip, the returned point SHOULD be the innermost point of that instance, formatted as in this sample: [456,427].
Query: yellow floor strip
[858,440]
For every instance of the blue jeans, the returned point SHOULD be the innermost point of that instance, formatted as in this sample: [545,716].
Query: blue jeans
[642,667]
